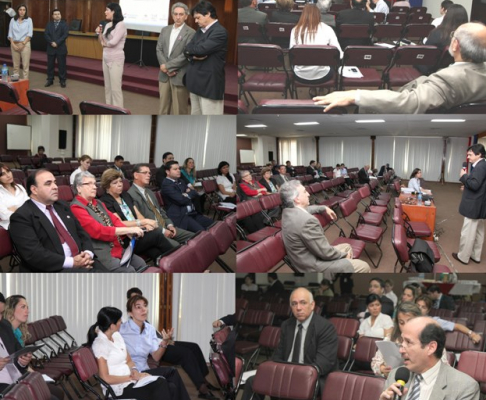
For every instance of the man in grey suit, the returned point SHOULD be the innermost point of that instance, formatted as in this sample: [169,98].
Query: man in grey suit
[304,238]
[462,82]
[430,378]
[282,177]
[247,12]
[324,6]
[148,206]
[173,62]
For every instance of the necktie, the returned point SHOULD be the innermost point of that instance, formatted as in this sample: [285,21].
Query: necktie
[56,24]
[297,343]
[156,212]
[415,391]
[64,235]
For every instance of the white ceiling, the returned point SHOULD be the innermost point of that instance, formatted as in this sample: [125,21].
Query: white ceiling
[345,125]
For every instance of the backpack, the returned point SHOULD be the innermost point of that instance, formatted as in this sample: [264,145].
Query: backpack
[421,256]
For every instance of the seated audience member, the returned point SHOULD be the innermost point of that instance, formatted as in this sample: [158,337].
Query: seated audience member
[16,315]
[449,87]
[402,3]
[282,177]
[289,169]
[377,286]
[117,165]
[274,167]
[409,294]
[443,10]
[274,287]
[249,186]
[324,6]
[363,176]
[357,14]
[325,289]
[84,164]
[226,183]
[284,13]
[383,170]
[47,236]
[424,302]
[12,196]
[420,289]
[441,36]
[422,347]
[115,365]
[160,174]
[377,324]
[247,12]
[109,235]
[148,206]
[321,341]
[189,176]
[304,239]
[322,176]
[440,300]
[389,292]
[414,182]
[380,7]
[312,170]
[268,181]
[41,157]
[141,340]
[310,30]
[336,172]
[178,200]
[249,285]
[153,243]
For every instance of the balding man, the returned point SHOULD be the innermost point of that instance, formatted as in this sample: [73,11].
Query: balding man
[430,379]
[304,239]
[462,82]
[306,338]
[363,176]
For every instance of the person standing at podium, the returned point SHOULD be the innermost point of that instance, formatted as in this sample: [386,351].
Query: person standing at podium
[56,33]
[20,32]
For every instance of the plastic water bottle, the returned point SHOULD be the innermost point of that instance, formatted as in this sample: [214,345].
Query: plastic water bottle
[419,198]
[4,73]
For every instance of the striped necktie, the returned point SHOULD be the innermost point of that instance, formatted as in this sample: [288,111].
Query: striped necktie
[158,216]
[415,392]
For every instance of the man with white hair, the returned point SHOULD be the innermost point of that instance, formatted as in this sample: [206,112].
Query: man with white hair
[304,239]
[324,6]
[380,7]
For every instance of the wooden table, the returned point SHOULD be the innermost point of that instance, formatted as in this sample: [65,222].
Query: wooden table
[420,213]
[22,86]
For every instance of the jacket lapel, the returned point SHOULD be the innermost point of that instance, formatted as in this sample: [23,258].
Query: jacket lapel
[290,339]
[438,392]
[48,227]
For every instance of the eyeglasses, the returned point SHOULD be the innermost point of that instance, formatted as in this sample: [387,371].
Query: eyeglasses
[89,184]
[145,172]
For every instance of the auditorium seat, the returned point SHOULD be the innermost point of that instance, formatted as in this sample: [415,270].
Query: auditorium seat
[44,102]
[414,229]
[94,108]
[473,363]
[388,33]
[249,208]
[253,322]
[350,386]
[222,371]
[458,342]
[268,340]
[223,239]
[5,244]
[286,380]
[251,32]
[37,386]
[419,18]
[65,193]
[417,31]
[347,327]
[18,392]
[279,33]
[397,18]
[9,94]
[262,256]
[364,351]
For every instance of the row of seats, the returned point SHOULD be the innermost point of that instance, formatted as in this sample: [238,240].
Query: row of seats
[30,386]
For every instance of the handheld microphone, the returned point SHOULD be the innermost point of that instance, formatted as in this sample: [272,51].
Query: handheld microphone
[464,166]
[402,376]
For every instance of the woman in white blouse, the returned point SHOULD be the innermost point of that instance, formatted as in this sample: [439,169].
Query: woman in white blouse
[84,164]
[226,183]
[115,365]
[414,182]
[377,324]
[12,196]
[310,30]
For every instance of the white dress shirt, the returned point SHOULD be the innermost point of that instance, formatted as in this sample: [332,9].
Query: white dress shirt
[382,322]
[305,327]
[7,200]
[428,382]
[381,7]
[174,34]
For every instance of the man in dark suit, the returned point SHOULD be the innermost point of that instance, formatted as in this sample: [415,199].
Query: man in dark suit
[275,286]
[363,176]
[178,200]
[205,78]
[441,301]
[173,63]
[473,207]
[282,177]
[160,175]
[306,338]
[46,234]
[357,15]
[248,13]
[56,33]
[118,163]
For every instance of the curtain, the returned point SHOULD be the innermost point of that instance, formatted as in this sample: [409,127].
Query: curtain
[352,151]
[299,150]
[455,156]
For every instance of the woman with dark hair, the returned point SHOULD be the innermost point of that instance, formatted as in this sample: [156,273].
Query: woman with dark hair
[115,365]
[267,181]
[12,196]
[226,183]
[414,182]
[141,340]
[409,294]
[377,324]
[20,32]
[112,38]
[189,176]
[310,30]
[249,285]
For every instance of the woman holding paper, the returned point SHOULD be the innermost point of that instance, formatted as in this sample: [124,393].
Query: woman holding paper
[114,362]
[377,324]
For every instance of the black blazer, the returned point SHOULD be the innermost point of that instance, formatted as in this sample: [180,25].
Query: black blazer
[320,346]
[310,171]
[363,176]
[473,202]
[10,342]
[113,206]
[447,303]
[37,241]
[206,77]
[58,35]
[175,203]
[265,184]
[277,288]
[354,16]
[284,17]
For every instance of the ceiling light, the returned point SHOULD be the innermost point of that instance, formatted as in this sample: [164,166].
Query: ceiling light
[369,121]
[306,123]
[256,126]
[241,134]
[448,120]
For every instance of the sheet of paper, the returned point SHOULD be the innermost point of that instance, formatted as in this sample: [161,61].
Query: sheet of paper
[352,72]
[390,352]
[145,381]
[247,374]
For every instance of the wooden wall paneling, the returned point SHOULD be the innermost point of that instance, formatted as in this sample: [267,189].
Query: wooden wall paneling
[241,144]
[165,301]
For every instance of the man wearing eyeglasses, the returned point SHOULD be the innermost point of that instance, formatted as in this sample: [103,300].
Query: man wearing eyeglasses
[462,82]
[423,342]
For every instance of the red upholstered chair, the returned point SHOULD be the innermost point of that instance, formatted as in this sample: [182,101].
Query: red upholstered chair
[364,351]
[415,229]
[277,32]
[37,386]
[314,55]
[458,342]
[19,392]
[262,256]
[400,9]
[252,207]
[472,317]
[388,33]
[419,18]
[347,327]
[401,71]
[251,31]
[339,7]
[473,363]
[5,244]
[354,31]
[417,31]
[379,18]
[268,56]
[94,108]
[241,303]
[239,368]
[268,340]
[223,374]
[397,18]
[366,58]
[286,380]
[349,386]
[65,193]
[9,94]
[253,322]
[441,313]
[45,102]
[258,305]
[223,239]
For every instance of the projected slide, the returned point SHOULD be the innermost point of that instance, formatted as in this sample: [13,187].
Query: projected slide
[145,15]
